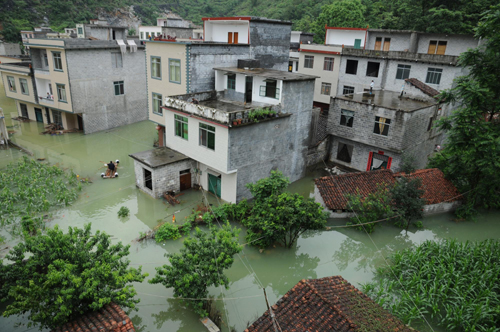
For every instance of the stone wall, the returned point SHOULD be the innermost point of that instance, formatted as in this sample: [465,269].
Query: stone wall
[281,144]
[318,153]
[270,44]
[92,73]
[165,178]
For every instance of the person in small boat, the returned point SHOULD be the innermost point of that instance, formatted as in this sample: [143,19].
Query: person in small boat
[111,166]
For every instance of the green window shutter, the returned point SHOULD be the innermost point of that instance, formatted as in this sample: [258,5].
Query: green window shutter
[357,43]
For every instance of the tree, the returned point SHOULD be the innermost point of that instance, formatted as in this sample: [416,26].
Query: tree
[341,13]
[283,218]
[200,264]
[266,187]
[407,201]
[132,32]
[470,157]
[57,277]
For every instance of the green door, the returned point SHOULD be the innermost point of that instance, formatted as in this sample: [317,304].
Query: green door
[357,43]
[214,184]
[38,115]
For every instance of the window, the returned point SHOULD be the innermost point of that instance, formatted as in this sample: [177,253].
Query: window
[308,61]
[207,136]
[119,88]
[326,88]
[181,126]
[348,90]
[80,31]
[403,72]
[142,34]
[296,66]
[346,118]
[344,152]
[381,126]
[351,67]
[231,82]
[175,70]
[357,43]
[24,110]
[57,61]
[116,60]
[57,116]
[372,69]
[156,67]
[433,75]
[45,59]
[378,43]
[328,65]
[61,92]
[290,66]
[157,102]
[12,84]
[50,90]
[148,179]
[270,90]
[437,47]
[24,86]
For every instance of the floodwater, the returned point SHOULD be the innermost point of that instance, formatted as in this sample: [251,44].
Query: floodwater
[338,251]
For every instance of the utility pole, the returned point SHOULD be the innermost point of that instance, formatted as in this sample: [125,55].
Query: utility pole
[270,311]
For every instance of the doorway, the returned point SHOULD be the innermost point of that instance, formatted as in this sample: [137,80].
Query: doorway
[80,122]
[148,181]
[248,89]
[47,114]
[214,184]
[185,179]
[38,115]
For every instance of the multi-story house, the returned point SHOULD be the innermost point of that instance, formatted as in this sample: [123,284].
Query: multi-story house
[171,25]
[178,67]
[90,85]
[213,140]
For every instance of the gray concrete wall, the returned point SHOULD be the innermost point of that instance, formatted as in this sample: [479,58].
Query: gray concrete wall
[399,41]
[178,32]
[281,144]
[204,57]
[10,49]
[270,43]
[91,76]
[456,44]
[318,153]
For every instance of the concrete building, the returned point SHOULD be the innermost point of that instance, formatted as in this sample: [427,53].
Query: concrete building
[179,67]
[90,85]
[297,38]
[372,131]
[218,132]
[172,25]
[102,30]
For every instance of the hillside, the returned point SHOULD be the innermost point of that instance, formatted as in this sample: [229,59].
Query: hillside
[449,16]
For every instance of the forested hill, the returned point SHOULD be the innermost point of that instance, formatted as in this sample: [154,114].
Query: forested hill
[448,16]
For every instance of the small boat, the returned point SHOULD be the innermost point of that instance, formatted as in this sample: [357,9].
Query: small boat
[109,174]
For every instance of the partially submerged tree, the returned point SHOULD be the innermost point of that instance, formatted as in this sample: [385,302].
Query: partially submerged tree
[57,277]
[265,187]
[199,265]
[470,157]
[407,201]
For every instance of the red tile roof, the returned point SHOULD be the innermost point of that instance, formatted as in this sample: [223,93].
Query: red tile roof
[332,189]
[327,304]
[111,318]
[423,87]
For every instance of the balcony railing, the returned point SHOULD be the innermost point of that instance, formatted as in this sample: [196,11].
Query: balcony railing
[46,100]
[40,71]
[399,55]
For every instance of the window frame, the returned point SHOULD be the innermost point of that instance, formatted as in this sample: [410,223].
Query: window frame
[328,63]
[157,97]
[63,90]
[355,72]
[115,57]
[204,130]
[368,67]
[184,126]
[347,88]
[266,89]
[155,63]
[57,56]
[309,61]
[231,82]
[11,82]
[121,87]
[401,70]
[46,59]
[433,73]
[324,87]
[343,119]
[172,61]
[79,30]
[378,123]
[348,147]
[23,81]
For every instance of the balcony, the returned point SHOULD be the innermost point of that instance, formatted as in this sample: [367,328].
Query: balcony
[41,71]
[398,55]
[45,100]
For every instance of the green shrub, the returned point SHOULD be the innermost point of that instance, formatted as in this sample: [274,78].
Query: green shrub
[123,212]
[185,229]
[167,231]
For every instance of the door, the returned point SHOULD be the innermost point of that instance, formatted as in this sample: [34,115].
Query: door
[378,43]
[230,37]
[387,44]
[47,114]
[38,115]
[214,184]
[24,110]
[185,179]
[80,122]
[248,89]
[357,43]
[235,35]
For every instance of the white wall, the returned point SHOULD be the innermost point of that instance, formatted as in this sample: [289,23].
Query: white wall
[295,37]
[217,31]
[344,37]
[216,159]
[240,83]
[228,182]
[257,82]
[221,81]
[149,30]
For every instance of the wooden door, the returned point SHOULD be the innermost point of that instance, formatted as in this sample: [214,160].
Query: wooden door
[378,43]
[230,37]
[432,47]
[185,180]
[235,35]
[441,49]
[387,44]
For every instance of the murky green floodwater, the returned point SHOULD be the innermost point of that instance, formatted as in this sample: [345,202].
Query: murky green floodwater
[340,251]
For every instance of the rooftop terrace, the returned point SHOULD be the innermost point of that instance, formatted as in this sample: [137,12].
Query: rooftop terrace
[268,73]
[387,99]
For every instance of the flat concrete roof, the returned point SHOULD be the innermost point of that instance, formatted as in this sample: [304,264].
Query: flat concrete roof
[158,157]
[269,73]
[387,99]
[228,105]
[82,43]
